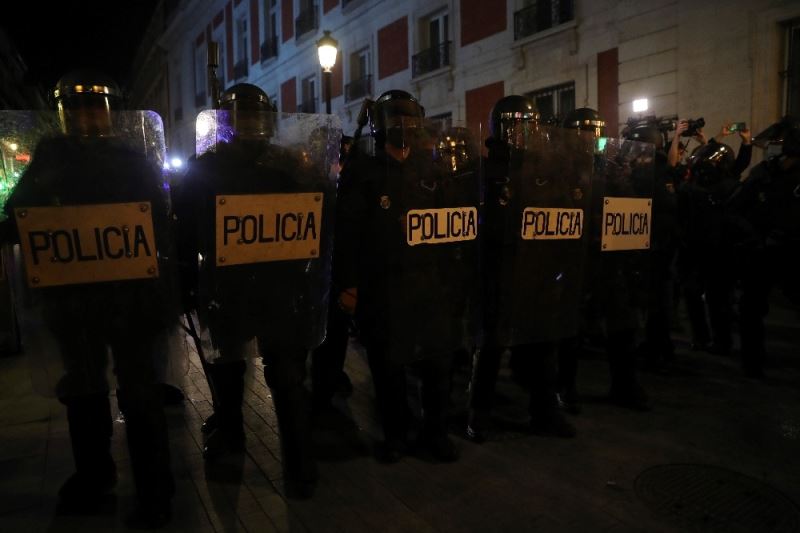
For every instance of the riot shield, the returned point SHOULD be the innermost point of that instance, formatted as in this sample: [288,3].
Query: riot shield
[537,194]
[620,227]
[256,213]
[94,273]
[418,285]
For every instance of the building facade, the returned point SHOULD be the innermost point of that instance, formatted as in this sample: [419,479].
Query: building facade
[736,60]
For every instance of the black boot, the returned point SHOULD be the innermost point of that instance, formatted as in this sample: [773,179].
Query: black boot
[148,445]
[293,411]
[625,389]
[478,423]
[90,430]
[228,436]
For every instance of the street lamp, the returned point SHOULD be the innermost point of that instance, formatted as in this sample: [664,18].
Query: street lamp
[327,50]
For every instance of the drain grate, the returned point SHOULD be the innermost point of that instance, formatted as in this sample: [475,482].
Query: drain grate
[709,498]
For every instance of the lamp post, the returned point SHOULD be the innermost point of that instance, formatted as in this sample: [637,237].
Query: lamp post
[327,50]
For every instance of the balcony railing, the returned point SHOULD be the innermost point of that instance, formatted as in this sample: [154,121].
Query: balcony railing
[240,69]
[269,48]
[542,15]
[200,99]
[431,59]
[307,106]
[306,21]
[358,88]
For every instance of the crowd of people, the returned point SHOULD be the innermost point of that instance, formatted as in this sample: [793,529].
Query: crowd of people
[280,241]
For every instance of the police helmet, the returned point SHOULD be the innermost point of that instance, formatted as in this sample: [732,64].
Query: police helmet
[585,119]
[251,112]
[512,118]
[84,99]
[647,134]
[394,116]
[785,132]
[712,162]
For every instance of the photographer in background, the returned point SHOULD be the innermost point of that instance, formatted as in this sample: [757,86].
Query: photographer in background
[685,128]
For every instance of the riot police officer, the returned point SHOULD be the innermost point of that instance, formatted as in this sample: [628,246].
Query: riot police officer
[259,211]
[710,237]
[530,275]
[400,220]
[619,254]
[769,204]
[658,348]
[588,125]
[93,167]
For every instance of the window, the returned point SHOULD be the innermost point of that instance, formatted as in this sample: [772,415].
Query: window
[200,65]
[540,15]
[219,38]
[309,95]
[441,122]
[269,46]
[240,67]
[792,72]
[435,43]
[360,79]
[307,18]
[553,103]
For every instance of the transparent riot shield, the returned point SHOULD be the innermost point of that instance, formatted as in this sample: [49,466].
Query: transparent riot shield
[536,204]
[620,227]
[255,211]
[93,267]
[418,285]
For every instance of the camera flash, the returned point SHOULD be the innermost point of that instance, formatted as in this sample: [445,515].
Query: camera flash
[640,105]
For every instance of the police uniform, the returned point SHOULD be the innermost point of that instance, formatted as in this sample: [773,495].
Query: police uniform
[530,278]
[129,317]
[659,348]
[408,294]
[279,303]
[769,204]
[710,240]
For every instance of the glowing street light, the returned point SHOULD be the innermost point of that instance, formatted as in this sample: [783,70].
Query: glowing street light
[327,49]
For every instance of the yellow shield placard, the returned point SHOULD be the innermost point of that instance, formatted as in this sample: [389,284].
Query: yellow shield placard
[551,223]
[258,228]
[626,224]
[438,226]
[77,244]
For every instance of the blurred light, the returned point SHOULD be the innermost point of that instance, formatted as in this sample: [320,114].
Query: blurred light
[167,165]
[327,50]
[601,143]
[176,162]
[204,124]
[13,146]
[640,105]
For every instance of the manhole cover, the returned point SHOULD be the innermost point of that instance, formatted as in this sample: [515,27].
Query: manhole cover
[709,498]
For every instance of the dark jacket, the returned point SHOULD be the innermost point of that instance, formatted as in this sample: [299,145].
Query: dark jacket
[410,298]
[284,301]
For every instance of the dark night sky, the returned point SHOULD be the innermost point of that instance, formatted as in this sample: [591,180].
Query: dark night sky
[55,37]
